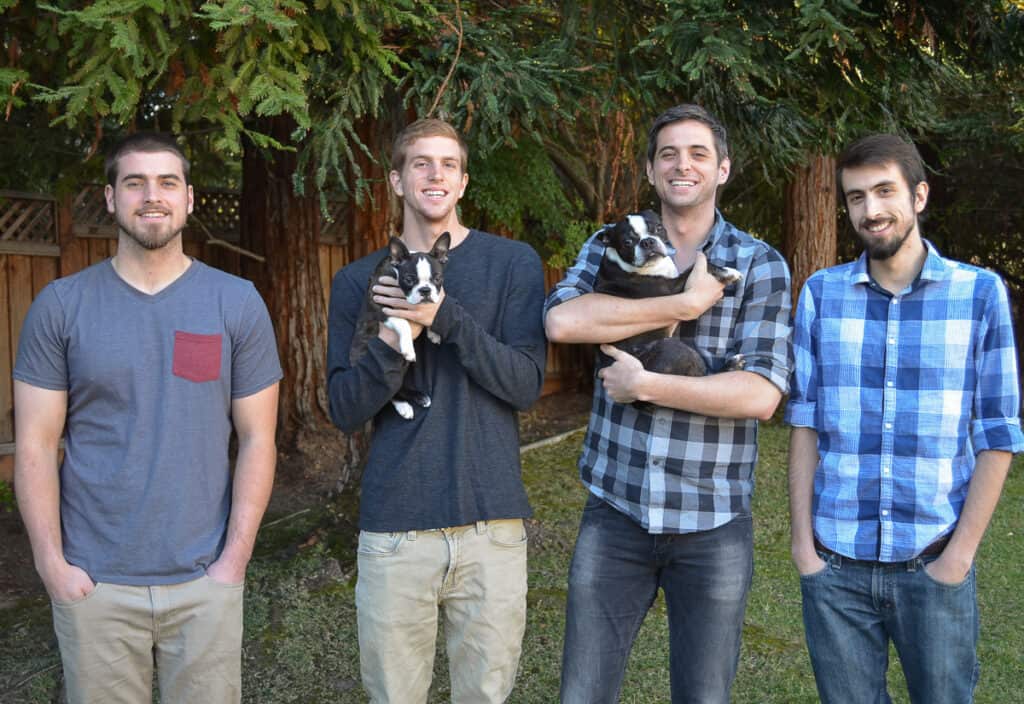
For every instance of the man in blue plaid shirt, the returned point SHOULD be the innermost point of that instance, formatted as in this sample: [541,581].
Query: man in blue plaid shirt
[669,501]
[904,409]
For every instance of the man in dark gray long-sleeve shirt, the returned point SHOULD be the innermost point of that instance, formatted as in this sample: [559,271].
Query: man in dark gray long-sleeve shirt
[442,499]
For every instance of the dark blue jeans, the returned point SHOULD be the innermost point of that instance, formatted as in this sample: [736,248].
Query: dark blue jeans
[852,609]
[616,571]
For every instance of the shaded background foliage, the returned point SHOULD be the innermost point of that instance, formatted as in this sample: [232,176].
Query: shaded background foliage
[553,97]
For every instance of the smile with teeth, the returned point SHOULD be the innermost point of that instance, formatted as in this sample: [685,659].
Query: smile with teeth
[153,214]
[434,193]
[876,225]
[682,182]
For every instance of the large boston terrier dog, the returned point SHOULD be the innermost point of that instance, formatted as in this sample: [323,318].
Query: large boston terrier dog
[638,263]
[420,275]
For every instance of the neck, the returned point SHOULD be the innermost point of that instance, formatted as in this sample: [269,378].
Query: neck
[687,229]
[899,271]
[149,270]
[420,236]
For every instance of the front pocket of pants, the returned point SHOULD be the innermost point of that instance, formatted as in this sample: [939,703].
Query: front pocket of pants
[378,544]
[76,602]
[507,533]
[196,357]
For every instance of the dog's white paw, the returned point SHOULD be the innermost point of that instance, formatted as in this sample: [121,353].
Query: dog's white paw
[409,354]
[425,401]
[734,363]
[433,337]
[403,409]
[730,275]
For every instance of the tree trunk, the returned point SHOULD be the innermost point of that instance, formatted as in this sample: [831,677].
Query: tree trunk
[285,228]
[809,219]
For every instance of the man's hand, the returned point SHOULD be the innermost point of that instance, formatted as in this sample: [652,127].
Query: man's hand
[226,571]
[66,583]
[623,379]
[947,569]
[807,562]
[420,315]
[702,290]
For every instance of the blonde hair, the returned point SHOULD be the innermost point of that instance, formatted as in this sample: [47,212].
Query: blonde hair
[428,127]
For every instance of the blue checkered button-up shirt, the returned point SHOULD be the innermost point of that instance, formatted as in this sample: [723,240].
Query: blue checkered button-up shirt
[903,391]
[673,471]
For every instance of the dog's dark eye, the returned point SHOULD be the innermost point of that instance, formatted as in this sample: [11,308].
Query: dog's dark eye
[629,242]
[436,278]
[409,279]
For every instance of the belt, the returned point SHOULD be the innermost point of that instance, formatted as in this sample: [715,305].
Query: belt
[934,548]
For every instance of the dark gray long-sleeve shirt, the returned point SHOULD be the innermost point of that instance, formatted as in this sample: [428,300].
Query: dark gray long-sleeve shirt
[457,461]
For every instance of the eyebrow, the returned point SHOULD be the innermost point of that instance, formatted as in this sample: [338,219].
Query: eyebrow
[887,182]
[160,177]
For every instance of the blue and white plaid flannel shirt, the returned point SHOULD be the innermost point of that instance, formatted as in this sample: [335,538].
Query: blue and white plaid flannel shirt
[903,391]
[678,472]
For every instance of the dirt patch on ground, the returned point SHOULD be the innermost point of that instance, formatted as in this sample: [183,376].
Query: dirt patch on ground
[306,476]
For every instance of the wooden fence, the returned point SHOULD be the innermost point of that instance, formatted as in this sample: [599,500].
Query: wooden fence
[43,237]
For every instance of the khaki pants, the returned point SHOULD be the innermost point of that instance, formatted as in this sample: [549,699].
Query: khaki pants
[109,640]
[476,574]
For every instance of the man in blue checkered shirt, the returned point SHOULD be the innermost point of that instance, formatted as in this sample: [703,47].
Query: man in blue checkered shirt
[669,501]
[904,408]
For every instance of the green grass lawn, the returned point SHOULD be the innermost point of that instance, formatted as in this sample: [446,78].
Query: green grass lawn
[300,643]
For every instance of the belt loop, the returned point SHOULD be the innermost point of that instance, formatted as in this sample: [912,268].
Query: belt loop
[836,560]
[481,527]
[410,534]
[914,564]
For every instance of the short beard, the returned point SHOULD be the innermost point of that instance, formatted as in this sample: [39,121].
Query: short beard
[880,251]
[158,241]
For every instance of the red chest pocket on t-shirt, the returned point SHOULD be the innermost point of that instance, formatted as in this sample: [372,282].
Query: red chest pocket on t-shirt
[196,357]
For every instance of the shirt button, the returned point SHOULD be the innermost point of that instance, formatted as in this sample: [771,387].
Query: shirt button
[885,513]
[888,426]
[888,383]
[895,301]
[892,340]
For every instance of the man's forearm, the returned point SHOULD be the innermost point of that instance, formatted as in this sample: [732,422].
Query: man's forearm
[250,494]
[734,394]
[983,494]
[37,483]
[597,317]
[803,462]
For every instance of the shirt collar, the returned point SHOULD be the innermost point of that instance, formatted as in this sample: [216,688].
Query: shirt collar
[936,267]
[714,234]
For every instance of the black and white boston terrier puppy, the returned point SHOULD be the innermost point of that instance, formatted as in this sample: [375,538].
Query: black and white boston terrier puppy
[420,275]
[638,263]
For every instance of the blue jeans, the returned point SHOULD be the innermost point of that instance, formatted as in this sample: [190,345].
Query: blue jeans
[616,571]
[851,610]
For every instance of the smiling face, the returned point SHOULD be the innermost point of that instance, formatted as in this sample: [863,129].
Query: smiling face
[431,180]
[883,208]
[150,199]
[685,170]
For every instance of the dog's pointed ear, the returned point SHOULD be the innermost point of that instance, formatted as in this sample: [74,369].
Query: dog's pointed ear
[440,249]
[604,235]
[397,250]
[654,219]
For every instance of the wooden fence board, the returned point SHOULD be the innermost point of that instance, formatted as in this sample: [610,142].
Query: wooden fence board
[6,358]
[19,292]
[74,257]
[44,270]
[99,249]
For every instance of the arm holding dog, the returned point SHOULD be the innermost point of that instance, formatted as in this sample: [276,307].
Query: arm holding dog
[357,392]
[761,335]
[575,314]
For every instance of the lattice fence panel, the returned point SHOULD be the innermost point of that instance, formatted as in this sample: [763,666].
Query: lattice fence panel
[218,211]
[89,213]
[27,218]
